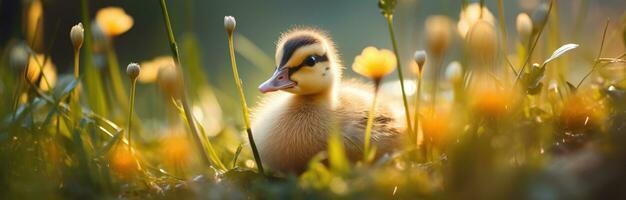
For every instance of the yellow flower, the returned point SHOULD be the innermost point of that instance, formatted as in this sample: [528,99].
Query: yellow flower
[34,25]
[374,63]
[472,14]
[35,66]
[163,71]
[491,101]
[150,69]
[435,125]
[113,21]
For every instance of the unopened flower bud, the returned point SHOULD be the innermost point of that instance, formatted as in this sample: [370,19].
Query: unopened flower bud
[482,42]
[438,35]
[19,56]
[387,6]
[420,59]
[229,24]
[133,70]
[77,35]
[454,72]
[524,26]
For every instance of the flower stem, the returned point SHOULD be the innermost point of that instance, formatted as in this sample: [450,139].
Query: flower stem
[435,85]
[76,63]
[174,48]
[370,122]
[244,106]
[115,74]
[130,110]
[595,62]
[400,76]
[532,46]
[75,101]
[417,107]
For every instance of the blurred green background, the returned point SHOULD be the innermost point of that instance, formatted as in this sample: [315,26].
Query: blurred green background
[353,24]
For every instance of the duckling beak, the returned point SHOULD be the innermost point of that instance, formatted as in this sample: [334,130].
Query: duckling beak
[280,80]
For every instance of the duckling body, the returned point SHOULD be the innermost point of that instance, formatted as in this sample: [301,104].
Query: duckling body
[291,127]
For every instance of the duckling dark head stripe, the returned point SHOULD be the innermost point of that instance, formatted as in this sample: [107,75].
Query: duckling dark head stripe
[293,44]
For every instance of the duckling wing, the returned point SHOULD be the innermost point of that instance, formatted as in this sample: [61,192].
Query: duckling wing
[355,99]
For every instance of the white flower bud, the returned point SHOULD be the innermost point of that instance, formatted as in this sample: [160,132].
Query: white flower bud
[19,56]
[438,36]
[77,35]
[482,42]
[229,24]
[420,59]
[524,26]
[133,70]
[454,72]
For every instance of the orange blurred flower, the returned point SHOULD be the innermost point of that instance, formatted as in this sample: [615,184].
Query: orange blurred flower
[176,149]
[578,113]
[122,161]
[374,63]
[113,21]
[436,125]
[492,101]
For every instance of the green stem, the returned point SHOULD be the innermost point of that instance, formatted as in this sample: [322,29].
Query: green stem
[75,99]
[504,36]
[186,108]
[18,92]
[417,107]
[435,88]
[532,46]
[76,63]
[244,106]
[400,76]
[130,111]
[115,74]
[370,122]
[94,86]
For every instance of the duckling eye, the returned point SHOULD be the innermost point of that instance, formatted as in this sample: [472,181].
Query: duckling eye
[310,61]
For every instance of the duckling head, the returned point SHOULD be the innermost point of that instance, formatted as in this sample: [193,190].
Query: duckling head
[307,63]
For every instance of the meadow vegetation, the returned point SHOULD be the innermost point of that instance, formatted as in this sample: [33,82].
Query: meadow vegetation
[499,122]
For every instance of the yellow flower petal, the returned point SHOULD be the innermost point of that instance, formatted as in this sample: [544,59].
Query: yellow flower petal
[150,69]
[35,66]
[113,21]
[374,63]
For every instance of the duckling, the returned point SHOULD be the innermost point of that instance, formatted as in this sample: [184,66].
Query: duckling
[292,125]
